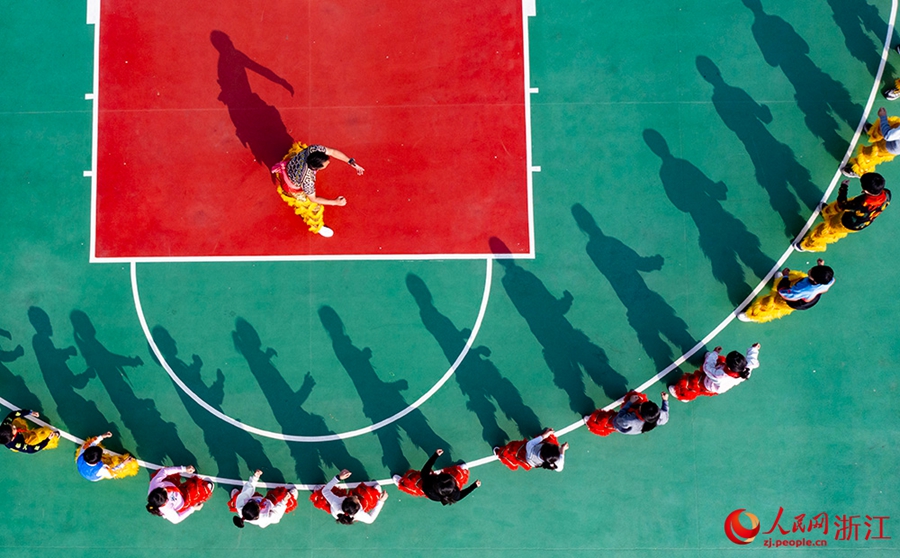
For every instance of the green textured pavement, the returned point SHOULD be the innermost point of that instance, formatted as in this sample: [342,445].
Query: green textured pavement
[681,145]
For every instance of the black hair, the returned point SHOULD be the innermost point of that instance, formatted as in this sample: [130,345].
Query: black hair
[6,435]
[821,274]
[316,160]
[156,499]
[872,183]
[350,506]
[345,519]
[92,455]
[550,455]
[650,414]
[249,512]
[447,489]
[737,363]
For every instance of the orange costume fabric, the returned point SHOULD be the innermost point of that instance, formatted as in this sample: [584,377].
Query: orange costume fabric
[691,386]
[513,454]
[600,422]
[411,482]
[194,490]
[368,497]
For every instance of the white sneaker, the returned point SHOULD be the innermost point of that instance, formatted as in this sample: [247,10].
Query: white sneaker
[326,232]
[743,317]
[396,479]
[672,392]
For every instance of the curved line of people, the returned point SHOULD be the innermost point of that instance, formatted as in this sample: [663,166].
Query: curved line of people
[177,492]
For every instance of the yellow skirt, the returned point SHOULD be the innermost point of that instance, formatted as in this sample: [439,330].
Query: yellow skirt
[827,232]
[313,214]
[36,436]
[772,306]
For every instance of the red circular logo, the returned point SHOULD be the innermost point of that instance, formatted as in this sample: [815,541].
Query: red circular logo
[736,532]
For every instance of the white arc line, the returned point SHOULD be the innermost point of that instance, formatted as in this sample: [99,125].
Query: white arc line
[574,425]
[809,222]
[330,437]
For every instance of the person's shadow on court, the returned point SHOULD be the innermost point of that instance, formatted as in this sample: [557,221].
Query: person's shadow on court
[817,94]
[568,352]
[381,399]
[648,313]
[855,18]
[12,385]
[257,124]
[477,376]
[775,163]
[287,407]
[157,440]
[81,417]
[723,238]
[226,442]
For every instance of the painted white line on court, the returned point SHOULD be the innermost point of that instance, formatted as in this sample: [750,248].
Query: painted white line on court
[330,437]
[153,466]
[319,258]
[809,222]
[528,5]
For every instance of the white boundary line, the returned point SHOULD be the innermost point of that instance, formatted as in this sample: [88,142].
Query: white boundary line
[809,222]
[528,10]
[351,257]
[659,375]
[330,437]
[153,466]
[93,18]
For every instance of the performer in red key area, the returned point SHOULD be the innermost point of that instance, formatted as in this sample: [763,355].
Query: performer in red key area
[296,177]
[445,486]
[543,451]
[259,510]
[360,503]
[717,375]
[173,499]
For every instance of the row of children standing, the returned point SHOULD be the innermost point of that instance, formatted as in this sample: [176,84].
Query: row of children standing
[177,492]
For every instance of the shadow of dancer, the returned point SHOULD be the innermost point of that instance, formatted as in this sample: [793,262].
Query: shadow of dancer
[81,417]
[723,237]
[380,399]
[568,352]
[13,386]
[817,94]
[257,124]
[648,313]
[156,439]
[287,406]
[855,18]
[775,164]
[478,378]
[225,441]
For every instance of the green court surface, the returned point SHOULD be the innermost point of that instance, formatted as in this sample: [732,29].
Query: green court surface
[681,145]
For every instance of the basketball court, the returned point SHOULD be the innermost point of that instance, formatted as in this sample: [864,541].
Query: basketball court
[562,202]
